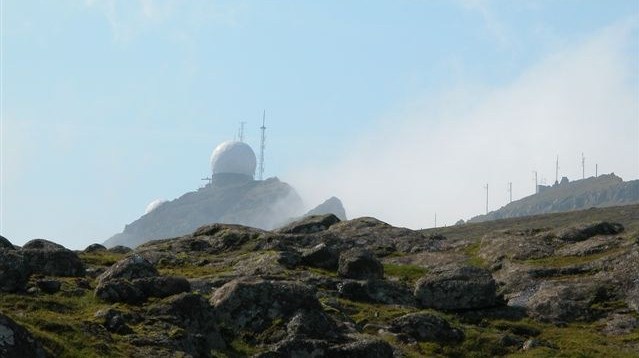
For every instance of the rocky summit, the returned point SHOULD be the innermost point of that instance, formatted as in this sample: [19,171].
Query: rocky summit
[542,286]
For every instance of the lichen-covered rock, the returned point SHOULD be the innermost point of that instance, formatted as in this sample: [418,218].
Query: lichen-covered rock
[5,244]
[50,259]
[253,304]
[426,327]
[120,290]
[162,286]
[457,287]
[131,267]
[113,320]
[14,272]
[95,248]
[196,317]
[516,246]
[360,264]
[310,224]
[377,291]
[363,347]
[561,302]
[586,231]
[119,249]
[321,256]
[17,342]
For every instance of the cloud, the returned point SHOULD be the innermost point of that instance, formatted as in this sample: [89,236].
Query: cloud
[436,155]
[129,18]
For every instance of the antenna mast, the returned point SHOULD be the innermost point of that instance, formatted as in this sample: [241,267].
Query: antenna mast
[510,191]
[536,182]
[240,133]
[557,170]
[262,145]
[486,187]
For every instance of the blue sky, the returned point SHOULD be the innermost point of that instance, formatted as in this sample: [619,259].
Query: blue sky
[108,105]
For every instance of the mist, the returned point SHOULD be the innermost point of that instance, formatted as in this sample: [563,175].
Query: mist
[435,154]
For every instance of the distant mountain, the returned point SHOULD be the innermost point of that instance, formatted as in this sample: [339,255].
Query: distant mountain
[602,191]
[231,199]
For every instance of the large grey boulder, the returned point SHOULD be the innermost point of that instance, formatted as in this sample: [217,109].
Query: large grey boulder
[586,231]
[17,342]
[129,268]
[14,272]
[48,258]
[560,302]
[426,327]
[252,305]
[360,264]
[5,244]
[331,206]
[457,287]
[321,256]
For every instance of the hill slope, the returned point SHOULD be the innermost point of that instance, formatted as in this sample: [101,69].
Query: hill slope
[543,286]
[602,191]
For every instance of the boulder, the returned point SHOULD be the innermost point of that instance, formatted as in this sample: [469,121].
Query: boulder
[129,268]
[426,327]
[321,256]
[17,342]
[586,231]
[253,305]
[360,265]
[457,287]
[14,272]
[561,302]
[95,248]
[377,291]
[312,324]
[113,320]
[310,224]
[41,244]
[119,249]
[119,290]
[50,259]
[5,244]
[362,347]
[49,285]
[196,317]
[162,286]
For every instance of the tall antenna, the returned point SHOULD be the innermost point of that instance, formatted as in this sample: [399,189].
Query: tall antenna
[486,187]
[583,166]
[536,182]
[240,133]
[510,191]
[262,145]
[557,170]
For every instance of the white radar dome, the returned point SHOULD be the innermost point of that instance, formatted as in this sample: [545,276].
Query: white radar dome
[233,158]
[154,205]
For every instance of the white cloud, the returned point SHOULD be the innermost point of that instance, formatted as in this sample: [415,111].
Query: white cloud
[436,156]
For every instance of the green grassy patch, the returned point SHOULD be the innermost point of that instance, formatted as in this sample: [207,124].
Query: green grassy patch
[406,273]
[472,251]
[100,258]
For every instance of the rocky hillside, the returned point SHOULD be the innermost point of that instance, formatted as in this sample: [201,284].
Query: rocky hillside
[547,286]
[602,191]
[236,200]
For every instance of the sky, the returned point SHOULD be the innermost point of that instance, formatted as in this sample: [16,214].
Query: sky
[403,109]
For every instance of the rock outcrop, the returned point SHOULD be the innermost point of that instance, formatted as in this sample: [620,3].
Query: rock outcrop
[358,288]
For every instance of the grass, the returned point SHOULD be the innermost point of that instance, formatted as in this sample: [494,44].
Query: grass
[100,258]
[406,273]
[472,251]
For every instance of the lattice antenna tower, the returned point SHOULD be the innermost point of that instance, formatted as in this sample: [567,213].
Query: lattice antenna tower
[262,146]
[536,182]
[510,192]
